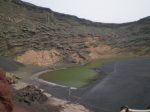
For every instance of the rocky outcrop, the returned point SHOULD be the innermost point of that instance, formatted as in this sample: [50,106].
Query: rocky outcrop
[30,95]
[35,98]
[5,94]
[30,28]
[98,50]
[12,78]
[102,51]
[41,58]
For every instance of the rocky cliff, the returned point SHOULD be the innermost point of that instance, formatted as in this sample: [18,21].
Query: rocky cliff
[5,94]
[27,30]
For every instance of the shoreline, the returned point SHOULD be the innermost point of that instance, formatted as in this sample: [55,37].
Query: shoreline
[67,104]
[36,77]
[61,93]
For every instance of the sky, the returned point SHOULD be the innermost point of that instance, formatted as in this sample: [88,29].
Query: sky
[107,11]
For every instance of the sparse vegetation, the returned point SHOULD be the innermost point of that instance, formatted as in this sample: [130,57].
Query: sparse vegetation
[30,27]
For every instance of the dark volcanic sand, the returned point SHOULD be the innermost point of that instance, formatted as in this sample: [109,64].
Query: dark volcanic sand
[126,83]
[123,83]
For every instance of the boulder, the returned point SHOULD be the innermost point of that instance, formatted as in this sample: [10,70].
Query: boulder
[12,78]
[30,95]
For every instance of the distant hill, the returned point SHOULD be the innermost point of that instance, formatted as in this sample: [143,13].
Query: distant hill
[24,27]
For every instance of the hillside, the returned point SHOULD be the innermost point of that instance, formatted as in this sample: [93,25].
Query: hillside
[30,33]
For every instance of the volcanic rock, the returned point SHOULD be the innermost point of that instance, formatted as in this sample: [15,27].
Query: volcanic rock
[12,78]
[30,95]
[5,94]
[29,28]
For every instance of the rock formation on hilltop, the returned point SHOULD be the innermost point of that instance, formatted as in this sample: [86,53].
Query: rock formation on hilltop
[27,30]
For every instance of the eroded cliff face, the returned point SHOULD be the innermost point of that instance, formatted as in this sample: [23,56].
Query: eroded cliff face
[41,58]
[27,30]
[98,49]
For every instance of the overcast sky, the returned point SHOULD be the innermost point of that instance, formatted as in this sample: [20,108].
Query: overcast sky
[108,11]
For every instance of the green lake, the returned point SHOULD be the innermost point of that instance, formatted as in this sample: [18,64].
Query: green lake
[78,76]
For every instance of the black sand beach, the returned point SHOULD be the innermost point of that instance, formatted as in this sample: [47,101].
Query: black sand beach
[122,83]
[128,83]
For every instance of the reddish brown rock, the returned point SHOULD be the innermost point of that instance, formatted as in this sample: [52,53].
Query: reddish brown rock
[5,94]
